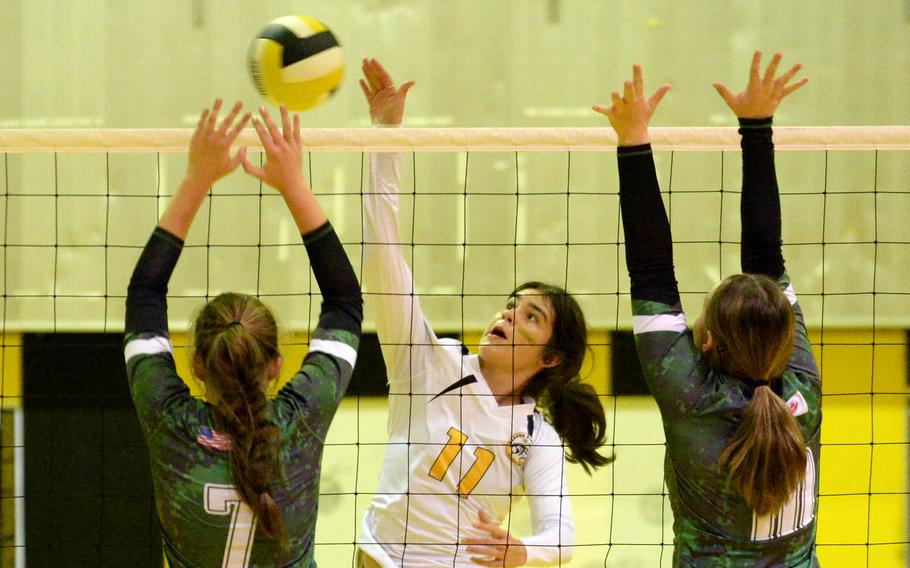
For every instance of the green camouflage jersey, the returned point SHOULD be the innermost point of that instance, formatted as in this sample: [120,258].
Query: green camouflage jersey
[700,407]
[203,519]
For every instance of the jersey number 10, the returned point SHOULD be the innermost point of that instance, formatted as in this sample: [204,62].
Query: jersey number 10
[483,459]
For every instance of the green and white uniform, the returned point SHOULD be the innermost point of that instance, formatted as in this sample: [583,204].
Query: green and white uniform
[203,519]
[701,408]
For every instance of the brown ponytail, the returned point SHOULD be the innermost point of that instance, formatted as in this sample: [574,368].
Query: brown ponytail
[236,341]
[572,407]
[752,325]
[767,455]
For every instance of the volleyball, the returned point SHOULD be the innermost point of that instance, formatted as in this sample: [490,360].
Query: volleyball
[296,61]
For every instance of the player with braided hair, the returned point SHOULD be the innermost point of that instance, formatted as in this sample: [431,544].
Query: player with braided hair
[236,478]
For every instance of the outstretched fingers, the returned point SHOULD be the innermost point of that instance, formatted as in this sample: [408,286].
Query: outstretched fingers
[251,168]
[786,77]
[790,88]
[628,92]
[755,69]
[659,95]
[725,93]
[274,133]
[638,81]
[226,123]
[237,159]
[771,71]
[238,128]
[367,92]
[212,118]
[372,74]
[384,78]
[404,88]
[286,124]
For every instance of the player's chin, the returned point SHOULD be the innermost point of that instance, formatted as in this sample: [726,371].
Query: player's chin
[495,348]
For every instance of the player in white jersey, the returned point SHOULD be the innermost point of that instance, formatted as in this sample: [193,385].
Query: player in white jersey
[466,438]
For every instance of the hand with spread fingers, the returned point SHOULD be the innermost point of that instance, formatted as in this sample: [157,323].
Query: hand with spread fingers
[385,100]
[630,113]
[209,159]
[764,92]
[500,550]
[283,168]
[210,147]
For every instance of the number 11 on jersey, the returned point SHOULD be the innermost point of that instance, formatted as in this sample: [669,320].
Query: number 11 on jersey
[483,459]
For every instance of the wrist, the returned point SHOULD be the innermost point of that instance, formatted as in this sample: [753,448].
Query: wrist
[753,122]
[633,139]
[197,180]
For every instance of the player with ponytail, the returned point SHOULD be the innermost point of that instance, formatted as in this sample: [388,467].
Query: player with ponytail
[470,434]
[739,393]
[236,477]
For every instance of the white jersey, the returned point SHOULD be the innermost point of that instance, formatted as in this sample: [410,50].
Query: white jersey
[452,449]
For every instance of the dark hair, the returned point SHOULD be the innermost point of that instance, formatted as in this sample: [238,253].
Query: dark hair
[752,325]
[571,406]
[236,341]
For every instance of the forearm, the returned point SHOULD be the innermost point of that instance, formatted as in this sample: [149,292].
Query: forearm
[551,512]
[649,242]
[343,304]
[387,277]
[305,209]
[146,300]
[760,202]
[180,212]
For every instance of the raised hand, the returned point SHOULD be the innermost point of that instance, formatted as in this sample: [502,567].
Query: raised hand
[283,168]
[209,160]
[386,102]
[764,92]
[630,113]
[501,549]
[210,147]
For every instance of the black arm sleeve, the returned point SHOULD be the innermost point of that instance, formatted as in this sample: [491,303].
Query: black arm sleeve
[342,306]
[760,204]
[649,243]
[146,297]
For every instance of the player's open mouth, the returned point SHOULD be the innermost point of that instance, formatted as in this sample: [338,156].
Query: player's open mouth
[497,331]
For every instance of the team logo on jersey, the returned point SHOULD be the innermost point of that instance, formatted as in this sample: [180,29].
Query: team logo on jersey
[518,448]
[213,440]
[797,404]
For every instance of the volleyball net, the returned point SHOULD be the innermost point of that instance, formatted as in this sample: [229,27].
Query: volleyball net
[481,211]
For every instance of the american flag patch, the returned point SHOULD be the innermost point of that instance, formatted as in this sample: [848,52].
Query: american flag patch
[214,440]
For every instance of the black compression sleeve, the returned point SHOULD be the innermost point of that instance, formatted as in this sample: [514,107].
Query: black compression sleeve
[146,297]
[342,307]
[649,243]
[760,205]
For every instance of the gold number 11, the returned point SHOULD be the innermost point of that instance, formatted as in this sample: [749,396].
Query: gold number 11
[483,459]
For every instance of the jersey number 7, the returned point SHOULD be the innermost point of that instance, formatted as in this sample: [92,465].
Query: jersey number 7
[483,459]
[224,500]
